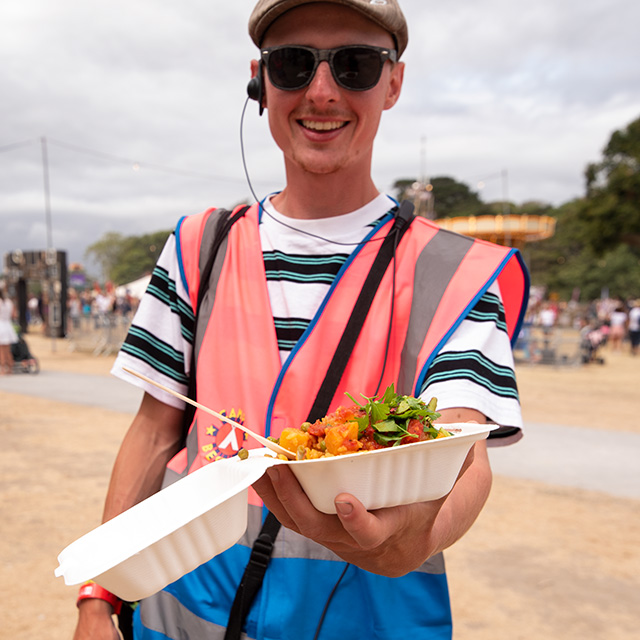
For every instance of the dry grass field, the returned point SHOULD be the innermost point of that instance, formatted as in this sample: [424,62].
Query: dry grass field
[541,562]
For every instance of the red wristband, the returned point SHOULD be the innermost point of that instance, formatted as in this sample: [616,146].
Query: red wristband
[92,590]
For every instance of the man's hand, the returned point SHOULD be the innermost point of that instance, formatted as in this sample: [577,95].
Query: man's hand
[388,542]
[95,621]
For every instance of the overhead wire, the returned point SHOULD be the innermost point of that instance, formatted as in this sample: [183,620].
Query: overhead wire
[136,164]
[16,145]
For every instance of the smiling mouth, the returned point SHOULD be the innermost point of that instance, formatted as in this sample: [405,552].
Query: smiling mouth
[315,125]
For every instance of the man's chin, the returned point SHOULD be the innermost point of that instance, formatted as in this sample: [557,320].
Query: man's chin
[319,163]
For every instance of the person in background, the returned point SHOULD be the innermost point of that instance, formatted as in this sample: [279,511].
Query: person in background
[548,317]
[8,335]
[279,297]
[634,327]
[618,327]
[32,310]
[74,305]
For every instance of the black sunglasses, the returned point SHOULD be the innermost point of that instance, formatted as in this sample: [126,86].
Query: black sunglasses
[357,68]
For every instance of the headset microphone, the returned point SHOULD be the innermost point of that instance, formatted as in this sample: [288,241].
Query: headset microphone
[404,213]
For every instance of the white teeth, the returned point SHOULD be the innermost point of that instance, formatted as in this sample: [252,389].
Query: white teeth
[322,126]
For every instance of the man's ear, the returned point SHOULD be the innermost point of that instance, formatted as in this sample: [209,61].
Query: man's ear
[395,85]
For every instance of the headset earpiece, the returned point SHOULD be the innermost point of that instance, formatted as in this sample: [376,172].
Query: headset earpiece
[255,89]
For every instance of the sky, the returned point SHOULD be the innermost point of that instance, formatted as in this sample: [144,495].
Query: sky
[137,106]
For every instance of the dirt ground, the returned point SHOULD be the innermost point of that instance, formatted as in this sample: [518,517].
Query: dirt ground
[541,561]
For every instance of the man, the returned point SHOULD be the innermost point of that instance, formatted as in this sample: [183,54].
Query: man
[280,295]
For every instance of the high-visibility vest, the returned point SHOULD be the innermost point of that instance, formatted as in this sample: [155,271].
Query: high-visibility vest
[439,276]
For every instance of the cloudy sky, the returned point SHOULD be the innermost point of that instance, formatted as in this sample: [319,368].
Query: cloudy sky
[140,103]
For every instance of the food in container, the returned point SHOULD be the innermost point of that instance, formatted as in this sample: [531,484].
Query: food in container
[164,537]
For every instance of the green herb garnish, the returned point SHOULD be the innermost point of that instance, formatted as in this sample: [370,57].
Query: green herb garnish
[389,416]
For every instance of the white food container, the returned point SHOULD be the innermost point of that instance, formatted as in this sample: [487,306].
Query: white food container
[409,473]
[159,540]
[149,546]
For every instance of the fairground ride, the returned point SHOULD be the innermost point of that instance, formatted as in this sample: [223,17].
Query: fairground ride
[508,230]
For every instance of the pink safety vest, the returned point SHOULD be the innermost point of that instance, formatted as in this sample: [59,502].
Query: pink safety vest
[439,277]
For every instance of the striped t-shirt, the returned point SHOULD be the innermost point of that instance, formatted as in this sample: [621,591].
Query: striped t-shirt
[302,257]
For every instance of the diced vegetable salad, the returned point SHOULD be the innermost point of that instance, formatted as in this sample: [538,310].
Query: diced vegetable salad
[376,423]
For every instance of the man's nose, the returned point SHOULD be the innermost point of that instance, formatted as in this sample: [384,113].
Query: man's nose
[323,87]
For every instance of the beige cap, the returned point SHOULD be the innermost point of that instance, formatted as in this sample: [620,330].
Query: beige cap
[386,13]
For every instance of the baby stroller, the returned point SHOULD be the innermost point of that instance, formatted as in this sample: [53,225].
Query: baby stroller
[590,342]
[23,360]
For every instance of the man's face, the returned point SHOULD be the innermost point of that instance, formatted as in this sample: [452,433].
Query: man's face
[324,128]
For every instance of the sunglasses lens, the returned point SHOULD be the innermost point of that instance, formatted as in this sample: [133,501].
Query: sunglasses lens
[290,67]
[357,68]
[354,68]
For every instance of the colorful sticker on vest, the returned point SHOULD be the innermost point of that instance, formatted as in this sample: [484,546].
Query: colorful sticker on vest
[225,440]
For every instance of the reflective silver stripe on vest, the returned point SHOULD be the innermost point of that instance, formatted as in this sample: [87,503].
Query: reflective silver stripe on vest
[164,614]
[434,270]
[171,476]
[290,544]
[203,316]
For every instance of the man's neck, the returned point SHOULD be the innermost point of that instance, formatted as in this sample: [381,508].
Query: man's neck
[312,196]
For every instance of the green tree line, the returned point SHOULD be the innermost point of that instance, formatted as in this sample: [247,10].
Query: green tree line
[124,259]
[596,245]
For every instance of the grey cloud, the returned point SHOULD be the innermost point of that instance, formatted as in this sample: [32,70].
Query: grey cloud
[535,88]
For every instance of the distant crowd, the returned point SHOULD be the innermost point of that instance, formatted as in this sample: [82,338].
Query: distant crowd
[609,321]
[100,307]
[86,309]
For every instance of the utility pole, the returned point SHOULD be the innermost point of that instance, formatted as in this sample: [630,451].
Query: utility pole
[52,297]
[423,159]
[506,207]
[47,196]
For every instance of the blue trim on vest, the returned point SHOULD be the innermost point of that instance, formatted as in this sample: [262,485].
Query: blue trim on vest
[183,276]
[260,204]
[423,372]
[365,605]
[316,318]
[525,302]
[290,603]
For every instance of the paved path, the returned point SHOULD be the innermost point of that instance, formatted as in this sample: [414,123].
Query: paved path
[91,390]
[566,456]
[574,457]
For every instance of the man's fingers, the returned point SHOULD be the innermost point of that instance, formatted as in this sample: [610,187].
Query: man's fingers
[284,497]
[352,528]
[306,519]
[368,529]
[265,489]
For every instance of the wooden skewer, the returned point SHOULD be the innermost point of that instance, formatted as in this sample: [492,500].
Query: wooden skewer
[264,441]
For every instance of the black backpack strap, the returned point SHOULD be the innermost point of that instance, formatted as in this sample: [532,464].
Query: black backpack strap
[125,620]
[404,218]
[253,575]
[225,221]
